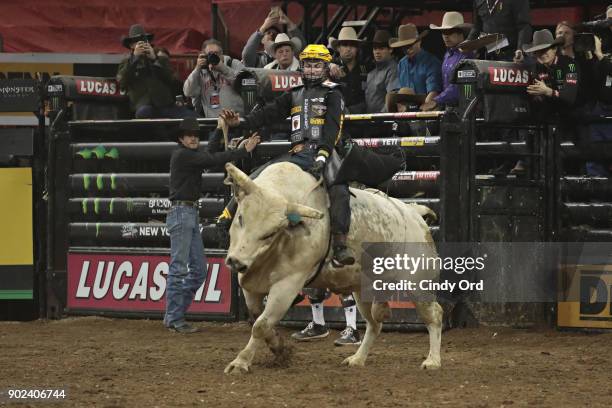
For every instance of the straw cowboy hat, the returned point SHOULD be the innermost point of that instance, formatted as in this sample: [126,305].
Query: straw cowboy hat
[283,39]
[346,35]
[407,35]
[451,20]
[542,39]
[381,38]
[403,95]
[136,33]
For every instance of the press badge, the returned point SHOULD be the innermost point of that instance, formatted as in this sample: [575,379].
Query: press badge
[214,100]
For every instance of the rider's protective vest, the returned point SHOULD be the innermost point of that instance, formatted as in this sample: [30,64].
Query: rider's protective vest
[308,109]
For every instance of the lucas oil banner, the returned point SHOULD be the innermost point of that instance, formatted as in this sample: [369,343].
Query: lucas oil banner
[132,283]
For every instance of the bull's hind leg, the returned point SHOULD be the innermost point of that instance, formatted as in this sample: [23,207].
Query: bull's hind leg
[374,315]
[280,297]
[431,314]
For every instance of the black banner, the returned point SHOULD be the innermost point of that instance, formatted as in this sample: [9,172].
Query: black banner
[127,208]
[19,95]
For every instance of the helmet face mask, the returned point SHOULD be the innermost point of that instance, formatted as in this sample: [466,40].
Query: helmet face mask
[314,63]
[314,71]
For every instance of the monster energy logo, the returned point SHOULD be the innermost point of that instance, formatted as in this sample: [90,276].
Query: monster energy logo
[559,73]
[572,67]
[99,181]
[129,205]
[99,152]
[467,90]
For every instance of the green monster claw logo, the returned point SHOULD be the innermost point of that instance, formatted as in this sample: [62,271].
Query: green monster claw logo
[129,205]
[84,205]
[572,67]
[113,183]
[467,90]
[97,229]
[100,181]
[100,152]
[97,206]
[86,181]
[111,207]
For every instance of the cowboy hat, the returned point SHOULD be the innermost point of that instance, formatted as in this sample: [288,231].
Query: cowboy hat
[542,40]
[189,125]
[451,20]
[283,39]
[381,38]
[136,33]
[346,35]
[484,41]
[403,95]
[407,35]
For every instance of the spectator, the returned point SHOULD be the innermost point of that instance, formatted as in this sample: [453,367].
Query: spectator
[147,78]
[349,71]
[284,53]
[508,17]
[453,34]
[418,70]
[266,35]
[566,31]
[383,78]
[210,85]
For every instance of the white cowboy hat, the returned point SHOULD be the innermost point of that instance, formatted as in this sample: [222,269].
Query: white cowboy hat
[348,35]
[451,20]
[283,39]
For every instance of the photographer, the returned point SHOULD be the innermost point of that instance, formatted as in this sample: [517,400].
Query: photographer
[148,79]
[265,36]
[210,83]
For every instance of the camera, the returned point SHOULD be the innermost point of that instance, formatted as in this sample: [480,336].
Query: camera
[212,58]
[584,42]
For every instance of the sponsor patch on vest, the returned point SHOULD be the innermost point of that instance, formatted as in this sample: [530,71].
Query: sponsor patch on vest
[318,110]
[571,78]
[317,121]
[295,123]
[296,109]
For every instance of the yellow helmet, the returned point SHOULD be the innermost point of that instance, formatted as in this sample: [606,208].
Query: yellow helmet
[316,52]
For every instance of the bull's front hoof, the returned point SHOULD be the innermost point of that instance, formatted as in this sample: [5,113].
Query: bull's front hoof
[354,361]
[431,364]
[237,367]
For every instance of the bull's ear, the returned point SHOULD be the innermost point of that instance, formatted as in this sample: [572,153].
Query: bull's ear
[294,210]
[239,179]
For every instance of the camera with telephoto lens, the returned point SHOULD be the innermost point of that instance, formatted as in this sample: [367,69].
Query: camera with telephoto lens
[585,41]
[211,58]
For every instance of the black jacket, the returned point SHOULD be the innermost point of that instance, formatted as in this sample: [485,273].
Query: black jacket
[186,166]
[508,17]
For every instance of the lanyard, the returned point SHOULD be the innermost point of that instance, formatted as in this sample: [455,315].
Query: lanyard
[492,8]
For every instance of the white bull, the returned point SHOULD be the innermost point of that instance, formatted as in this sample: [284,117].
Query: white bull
[275,257]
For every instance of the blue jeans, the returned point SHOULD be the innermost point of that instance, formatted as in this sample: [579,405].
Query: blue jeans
[187,262]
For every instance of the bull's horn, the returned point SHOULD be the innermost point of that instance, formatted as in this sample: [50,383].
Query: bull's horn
[239,179]
[303,210]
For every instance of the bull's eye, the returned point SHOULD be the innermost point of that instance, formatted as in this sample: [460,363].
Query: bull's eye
[268,236]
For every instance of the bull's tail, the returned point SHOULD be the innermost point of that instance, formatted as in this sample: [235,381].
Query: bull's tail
[427,213]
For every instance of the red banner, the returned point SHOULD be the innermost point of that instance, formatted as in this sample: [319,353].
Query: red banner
[98,88]
[137,283]
[508,76]
[284,82]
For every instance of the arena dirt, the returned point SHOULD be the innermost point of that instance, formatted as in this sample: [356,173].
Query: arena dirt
[136,363]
